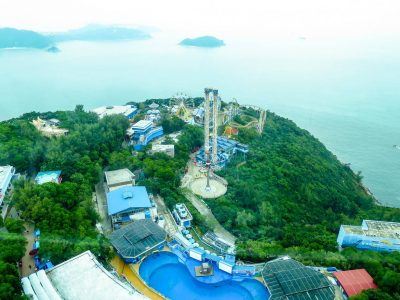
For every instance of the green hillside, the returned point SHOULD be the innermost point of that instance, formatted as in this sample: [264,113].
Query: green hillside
[14,38]
[290,195]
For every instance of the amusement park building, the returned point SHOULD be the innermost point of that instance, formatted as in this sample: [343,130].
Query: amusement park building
[129,111]
[130,203]
[371,235]
[143,132]
[6,174]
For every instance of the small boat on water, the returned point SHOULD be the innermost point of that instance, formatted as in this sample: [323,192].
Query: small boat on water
[397,147]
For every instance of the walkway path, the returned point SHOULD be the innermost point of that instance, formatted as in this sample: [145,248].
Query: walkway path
[203,209]
[101,206]
[170,225]
[27,260]
[131,274]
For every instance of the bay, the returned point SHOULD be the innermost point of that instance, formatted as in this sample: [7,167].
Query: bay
[346,92]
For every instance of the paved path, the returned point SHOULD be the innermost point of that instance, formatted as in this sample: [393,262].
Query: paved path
[27,259]
[203,209]
[101,206]
[170,225]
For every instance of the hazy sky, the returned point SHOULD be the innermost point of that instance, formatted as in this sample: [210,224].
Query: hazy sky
[316,18]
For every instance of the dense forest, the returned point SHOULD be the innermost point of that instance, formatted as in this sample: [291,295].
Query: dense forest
[65,212]
[290,195]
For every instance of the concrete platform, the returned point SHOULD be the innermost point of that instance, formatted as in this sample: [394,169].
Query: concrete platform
[199,273]
[217,188]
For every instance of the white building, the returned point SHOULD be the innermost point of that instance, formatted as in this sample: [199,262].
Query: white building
[119,178]
[129,111]
[182,215]
[79,278]
[167,149]
[6,174]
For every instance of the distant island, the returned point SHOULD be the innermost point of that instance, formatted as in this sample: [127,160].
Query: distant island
[101,33]
[203,41]
[15,38]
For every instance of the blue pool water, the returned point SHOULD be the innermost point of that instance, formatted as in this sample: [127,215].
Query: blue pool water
[164,272]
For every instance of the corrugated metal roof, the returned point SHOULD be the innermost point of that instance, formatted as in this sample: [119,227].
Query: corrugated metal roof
[289,279]
[137,238]
[127,198]
[355,281]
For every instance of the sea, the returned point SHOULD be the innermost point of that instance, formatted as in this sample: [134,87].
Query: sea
[344,91]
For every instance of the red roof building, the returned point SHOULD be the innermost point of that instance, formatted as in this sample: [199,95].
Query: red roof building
[354,282]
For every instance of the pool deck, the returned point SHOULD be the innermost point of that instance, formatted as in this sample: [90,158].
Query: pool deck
[131,273]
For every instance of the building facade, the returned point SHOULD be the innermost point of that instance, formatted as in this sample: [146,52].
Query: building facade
[182,215]
[371,235]
[119,178]
[142,133]
[6,174]
[130,203]
[167,149]
[128,111]
[226,149]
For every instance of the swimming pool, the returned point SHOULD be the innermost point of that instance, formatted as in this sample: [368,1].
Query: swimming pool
[164,272]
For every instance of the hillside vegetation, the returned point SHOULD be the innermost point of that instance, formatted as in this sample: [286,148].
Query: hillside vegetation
[65,212]
[290,195]
[14,38]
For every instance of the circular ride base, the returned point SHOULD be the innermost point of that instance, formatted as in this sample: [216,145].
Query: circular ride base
[217,189]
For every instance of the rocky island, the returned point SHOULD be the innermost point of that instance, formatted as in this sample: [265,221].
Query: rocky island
[203,41]
[15,38]
[100,33]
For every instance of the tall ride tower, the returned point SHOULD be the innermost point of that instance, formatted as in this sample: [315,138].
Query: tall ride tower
[207,134]
[215,128]
[207,92]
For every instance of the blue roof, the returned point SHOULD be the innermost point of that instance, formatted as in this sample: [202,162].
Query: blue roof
[127,198]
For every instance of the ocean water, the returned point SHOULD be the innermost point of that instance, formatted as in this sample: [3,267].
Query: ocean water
[346,92]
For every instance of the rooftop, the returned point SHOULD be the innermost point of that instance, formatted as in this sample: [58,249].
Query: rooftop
[126,198]
[289,279]
[83,277]
[355,281]
[183,212]
[142,124]
[137,238]
[5,171]
[160,147]
[48,176]
[125,110]
[153,105]
[118,176]
[375,229]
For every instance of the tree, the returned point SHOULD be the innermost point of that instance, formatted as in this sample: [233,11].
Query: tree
[10,286]
[14,225]
[12,247]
